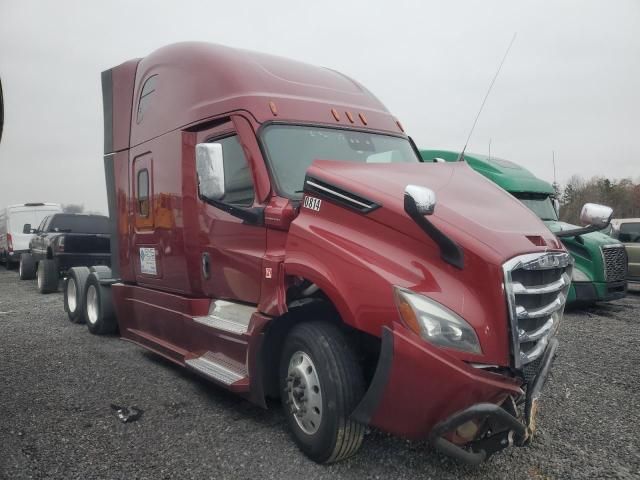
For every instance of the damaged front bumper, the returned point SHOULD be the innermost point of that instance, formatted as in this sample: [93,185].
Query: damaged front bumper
[507,429]
[420,392]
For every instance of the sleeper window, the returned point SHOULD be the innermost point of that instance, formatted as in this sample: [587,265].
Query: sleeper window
[145,97]
[143,193]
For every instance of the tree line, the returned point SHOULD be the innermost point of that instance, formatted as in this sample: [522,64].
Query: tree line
[621,195]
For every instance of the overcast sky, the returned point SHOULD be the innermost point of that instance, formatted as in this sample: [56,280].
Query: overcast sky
[571,82]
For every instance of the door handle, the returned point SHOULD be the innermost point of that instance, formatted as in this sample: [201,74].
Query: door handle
[206,265]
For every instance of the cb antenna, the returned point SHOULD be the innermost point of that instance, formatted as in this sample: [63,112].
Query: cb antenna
[461,156]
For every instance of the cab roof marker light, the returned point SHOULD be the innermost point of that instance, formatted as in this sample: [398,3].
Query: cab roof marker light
[349,116]
[363,119]
[336,115]
[273,108]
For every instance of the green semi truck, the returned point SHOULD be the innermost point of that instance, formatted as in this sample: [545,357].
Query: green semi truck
[600,269]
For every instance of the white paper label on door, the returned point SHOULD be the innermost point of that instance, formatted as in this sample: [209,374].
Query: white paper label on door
[148,261]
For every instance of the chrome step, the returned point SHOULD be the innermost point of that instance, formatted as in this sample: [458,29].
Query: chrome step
[228,317]
[218,368]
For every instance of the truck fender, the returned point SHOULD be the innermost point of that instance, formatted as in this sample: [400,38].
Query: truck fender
[328,283]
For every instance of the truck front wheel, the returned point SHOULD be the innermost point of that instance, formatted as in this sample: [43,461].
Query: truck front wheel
[322,383]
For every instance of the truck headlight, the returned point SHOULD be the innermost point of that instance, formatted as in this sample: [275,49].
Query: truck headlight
[435,322]
[579,276]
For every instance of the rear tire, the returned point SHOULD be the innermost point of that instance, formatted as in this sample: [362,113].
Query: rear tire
[98,307]
[74,293]
[27,268]
[7,263]
[322,383]
[48,276]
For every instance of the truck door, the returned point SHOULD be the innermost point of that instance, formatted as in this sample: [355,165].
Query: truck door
[231,249]
[37,242]
[148,269]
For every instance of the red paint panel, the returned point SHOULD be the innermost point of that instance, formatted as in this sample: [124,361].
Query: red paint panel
[123,78]
[162,317]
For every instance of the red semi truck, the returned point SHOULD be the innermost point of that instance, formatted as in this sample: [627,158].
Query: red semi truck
[275,230]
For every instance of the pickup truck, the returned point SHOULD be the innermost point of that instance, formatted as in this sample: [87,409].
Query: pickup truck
[62,241]
[276,232]
[13,240]
[627,231]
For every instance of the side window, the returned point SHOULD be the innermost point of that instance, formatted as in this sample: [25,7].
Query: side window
[629,233]
[145,97]
[238,184]
[143,193]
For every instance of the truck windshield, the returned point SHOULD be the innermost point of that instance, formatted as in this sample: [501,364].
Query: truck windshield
[541,205]
[79,224]
[291,150]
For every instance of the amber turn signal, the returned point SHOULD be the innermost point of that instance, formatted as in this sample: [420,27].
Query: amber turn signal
[407,313]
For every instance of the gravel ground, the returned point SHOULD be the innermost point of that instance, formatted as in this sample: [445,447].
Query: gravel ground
[58,382]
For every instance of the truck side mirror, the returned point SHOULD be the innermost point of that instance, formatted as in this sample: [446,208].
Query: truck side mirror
[596,215]
[27,228]
[424,198]
[210,168]
[556,206]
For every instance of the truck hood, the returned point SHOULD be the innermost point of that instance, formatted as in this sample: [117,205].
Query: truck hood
[470,209]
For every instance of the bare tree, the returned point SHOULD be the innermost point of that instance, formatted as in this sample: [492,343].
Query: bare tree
[621,195]
[73,208]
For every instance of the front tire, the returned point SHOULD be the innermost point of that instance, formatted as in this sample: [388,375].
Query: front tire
[98,307]
[27,268]
[322,383]
[74,287]
[48,276]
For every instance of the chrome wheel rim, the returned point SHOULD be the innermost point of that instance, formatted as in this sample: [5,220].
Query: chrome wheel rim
[40,275]
[304,393]
[72,301]
[92,304]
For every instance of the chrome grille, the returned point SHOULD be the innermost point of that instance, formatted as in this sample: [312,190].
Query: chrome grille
[615,262]
[536,286]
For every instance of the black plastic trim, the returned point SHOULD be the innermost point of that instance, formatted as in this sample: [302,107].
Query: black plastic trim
[107,108]
[252,215]
[325,189]
[369,403]
[450,251]
[535,388]
[109,175]
[1,110]
[474,457]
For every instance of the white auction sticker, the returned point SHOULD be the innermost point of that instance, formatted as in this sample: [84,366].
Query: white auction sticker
[148,261]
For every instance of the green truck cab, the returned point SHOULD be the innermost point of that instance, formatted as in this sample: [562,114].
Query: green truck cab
[600,268]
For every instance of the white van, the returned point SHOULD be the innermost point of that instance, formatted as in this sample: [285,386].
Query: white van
[13,240]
